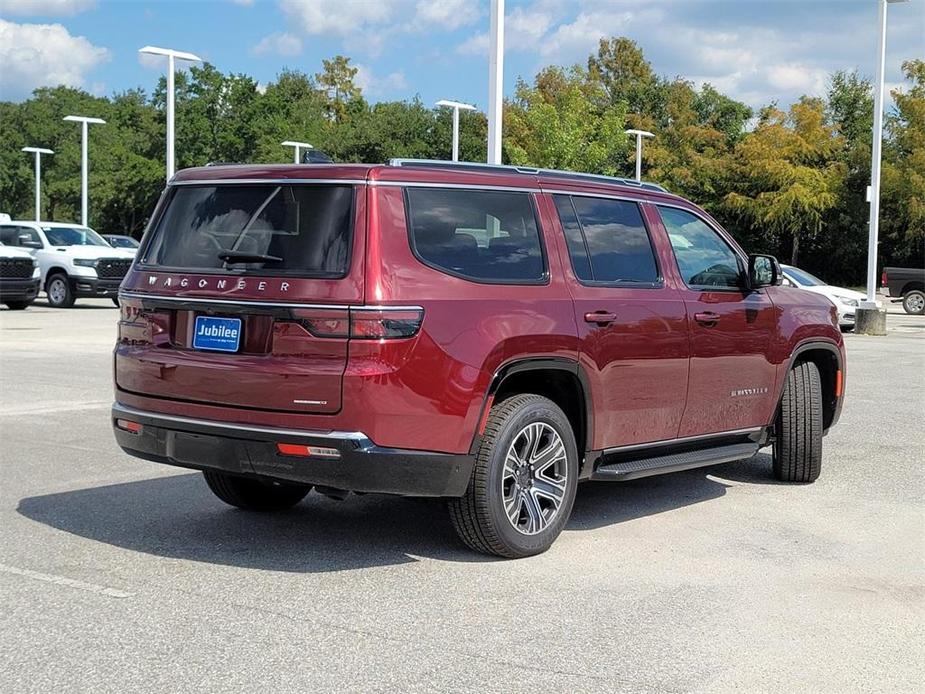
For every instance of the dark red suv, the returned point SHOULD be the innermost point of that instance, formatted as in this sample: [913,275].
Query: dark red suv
[492,335]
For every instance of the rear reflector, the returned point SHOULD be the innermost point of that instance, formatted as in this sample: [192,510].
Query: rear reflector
[126,425]
[304,451]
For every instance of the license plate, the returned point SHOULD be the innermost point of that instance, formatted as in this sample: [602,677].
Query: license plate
[217,334]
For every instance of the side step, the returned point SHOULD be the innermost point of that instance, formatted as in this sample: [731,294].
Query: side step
[675,462]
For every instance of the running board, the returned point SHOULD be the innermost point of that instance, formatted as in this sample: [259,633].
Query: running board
[675,462]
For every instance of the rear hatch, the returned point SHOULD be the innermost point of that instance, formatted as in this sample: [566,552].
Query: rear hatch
[240,296]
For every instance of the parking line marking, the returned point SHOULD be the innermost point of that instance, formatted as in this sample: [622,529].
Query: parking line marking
[49,408]
[63,581]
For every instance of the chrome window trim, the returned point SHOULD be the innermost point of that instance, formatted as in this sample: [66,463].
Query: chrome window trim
[276,181]
[267,304]
[684,439]
[465,186]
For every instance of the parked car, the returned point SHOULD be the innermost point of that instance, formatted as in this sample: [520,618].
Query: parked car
[19,277]
[491,335]
[74,261]
[845,300]
[906,284]
[121,241]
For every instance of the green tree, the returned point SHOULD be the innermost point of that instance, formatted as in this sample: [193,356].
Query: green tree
[785,174]
[336,80]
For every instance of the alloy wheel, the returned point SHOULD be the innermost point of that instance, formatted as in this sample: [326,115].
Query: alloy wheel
[534,479]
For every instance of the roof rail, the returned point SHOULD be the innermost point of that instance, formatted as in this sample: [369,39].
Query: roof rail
[530,170]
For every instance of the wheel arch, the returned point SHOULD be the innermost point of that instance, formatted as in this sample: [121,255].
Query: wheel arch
[51,272]
[912,286]
[560,379]
[829,360]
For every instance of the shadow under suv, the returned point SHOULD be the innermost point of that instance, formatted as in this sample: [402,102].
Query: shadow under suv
[492,335]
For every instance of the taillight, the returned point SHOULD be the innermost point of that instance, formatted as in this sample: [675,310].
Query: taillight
[384,323]
[361,323]
[883,280]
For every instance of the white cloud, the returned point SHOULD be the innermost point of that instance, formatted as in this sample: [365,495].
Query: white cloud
[445,14]
[39,55]
[340,17]
[373,85]
[285,44]
[45,8]
[796,77]
[523,29]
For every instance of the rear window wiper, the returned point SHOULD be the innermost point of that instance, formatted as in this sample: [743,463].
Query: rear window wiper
[232,257]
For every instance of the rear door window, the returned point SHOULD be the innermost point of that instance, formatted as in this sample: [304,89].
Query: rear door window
[607,240]
[481,235]
[267,229]
[19,236]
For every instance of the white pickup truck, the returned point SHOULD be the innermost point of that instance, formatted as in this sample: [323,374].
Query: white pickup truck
[74,261]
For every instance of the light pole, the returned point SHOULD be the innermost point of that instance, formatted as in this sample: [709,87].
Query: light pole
[495,81]
[84,162]
[639,135]
[299,146]
[38,151]
[457,106]
[870,303]
[172,56]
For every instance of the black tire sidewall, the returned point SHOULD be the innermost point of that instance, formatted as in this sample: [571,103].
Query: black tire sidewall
[539,410]
[68,294]
[906,299]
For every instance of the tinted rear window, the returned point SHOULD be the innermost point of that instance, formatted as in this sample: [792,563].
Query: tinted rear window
[302,230]
[607,240]
[486,236]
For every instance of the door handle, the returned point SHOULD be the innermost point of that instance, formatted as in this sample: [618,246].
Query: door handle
[707,318]
[602,318]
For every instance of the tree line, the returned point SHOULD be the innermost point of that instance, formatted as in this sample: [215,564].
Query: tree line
[791,182]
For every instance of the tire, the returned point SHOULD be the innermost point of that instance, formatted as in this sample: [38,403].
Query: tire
[914,302]
[17,305]
[59,291]
[797,450]
[254,495]
[479,516]
[115,300]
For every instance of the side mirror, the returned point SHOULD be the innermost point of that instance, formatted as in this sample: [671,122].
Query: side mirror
[30,244]
[763,271]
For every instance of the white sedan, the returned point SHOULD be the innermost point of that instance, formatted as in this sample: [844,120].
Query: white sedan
[845,300]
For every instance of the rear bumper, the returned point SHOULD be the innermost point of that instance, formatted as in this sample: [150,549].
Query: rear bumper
[19,290]
[359,465]
[92,286]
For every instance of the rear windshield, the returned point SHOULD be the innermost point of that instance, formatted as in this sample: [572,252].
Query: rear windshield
[302,230]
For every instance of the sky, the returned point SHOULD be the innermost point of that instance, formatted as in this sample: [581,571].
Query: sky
[757,51]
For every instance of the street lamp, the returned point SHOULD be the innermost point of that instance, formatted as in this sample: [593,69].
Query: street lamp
[299,146]
[495,81]
[172,56]
[84,163]
[457,106]
[870,302]
[38,151]
[639,135]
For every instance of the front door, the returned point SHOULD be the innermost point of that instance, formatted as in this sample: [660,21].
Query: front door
[732,329]
[632,327]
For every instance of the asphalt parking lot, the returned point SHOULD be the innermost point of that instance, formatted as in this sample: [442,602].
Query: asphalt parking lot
[118,575]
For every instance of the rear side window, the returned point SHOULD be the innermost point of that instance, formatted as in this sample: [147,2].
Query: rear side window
[607,240]
[301,230]
[485,236]
[19,236]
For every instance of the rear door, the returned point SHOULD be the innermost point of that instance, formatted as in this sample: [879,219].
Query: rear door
[241,296]
[732,329]
[632,327]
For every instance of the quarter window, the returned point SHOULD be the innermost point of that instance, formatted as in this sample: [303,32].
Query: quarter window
[704,258]
[607,240]
[486,236]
